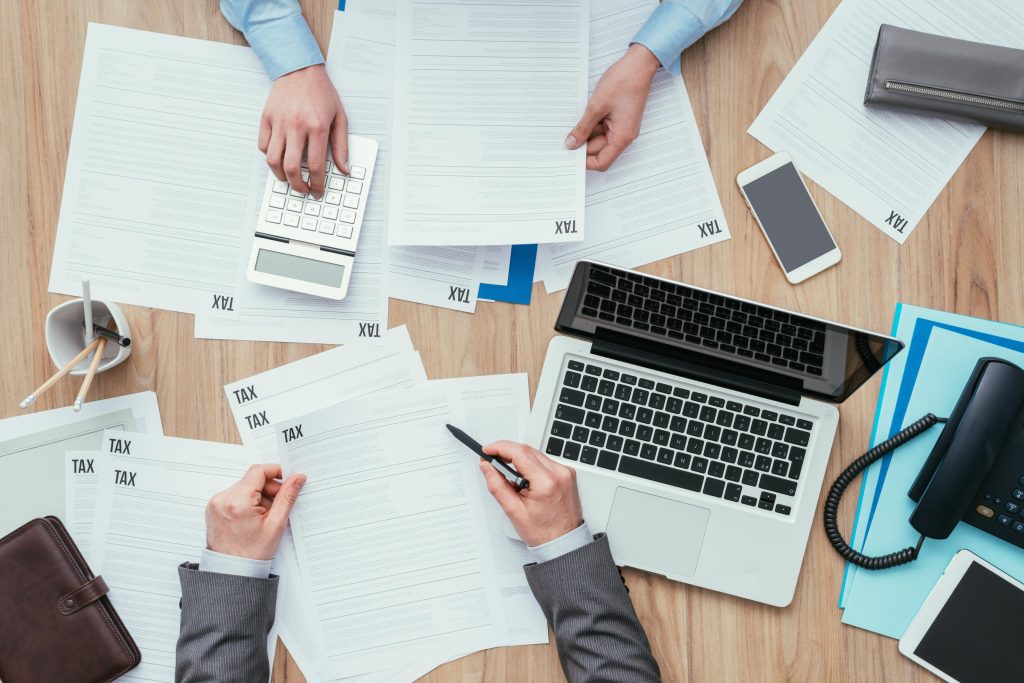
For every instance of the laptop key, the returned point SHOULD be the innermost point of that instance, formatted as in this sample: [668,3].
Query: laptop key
[729,437]
[750,477]
[678,424]
[623,392]
[777,484]
[804,424]
[628,379]
[659,473]
[678,442]
[627,411]
[572,397]
[666,456]
[645,433]
[593,402]
[610,424]
[682,460]
[714,487]
[632,447]
[782,509]
[674,406]
[789,421]
[763,463]
[661,419]
[729,455]
[593,370]
[627,428]
[571,451]
[797,437]
[563,429]
[716,469]
[699,465]
[733,492]
[606,387]
[593,420]
[647,451]
[576,365]
[775,431]
[572,379]
[733,473]
[645,415]
[691,409]
[570,414]
[614,443]
[608,460]
[779,468]
[748,500]
[589,383]
[555,446]
[712,449]
[746,459]
[610,406]
[694,446]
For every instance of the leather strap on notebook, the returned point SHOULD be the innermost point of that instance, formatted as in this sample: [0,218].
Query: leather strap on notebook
[84,595]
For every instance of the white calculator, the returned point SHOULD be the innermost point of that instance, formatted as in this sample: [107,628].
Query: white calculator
[309,245]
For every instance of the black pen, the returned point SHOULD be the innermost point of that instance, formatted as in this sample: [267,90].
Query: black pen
[111,335]
[514,477]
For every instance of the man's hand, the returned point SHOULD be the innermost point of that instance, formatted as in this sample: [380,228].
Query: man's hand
[248,519]
[612,118]
[549,508]
[304,109]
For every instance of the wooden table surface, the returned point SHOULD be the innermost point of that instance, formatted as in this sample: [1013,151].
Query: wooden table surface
[966,257]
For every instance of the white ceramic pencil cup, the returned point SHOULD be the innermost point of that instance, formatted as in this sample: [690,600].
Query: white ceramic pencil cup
[65,334]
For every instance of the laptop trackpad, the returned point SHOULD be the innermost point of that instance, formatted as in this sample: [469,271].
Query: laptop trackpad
[657,534]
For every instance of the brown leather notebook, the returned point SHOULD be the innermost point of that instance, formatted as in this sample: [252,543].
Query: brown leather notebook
[56,623]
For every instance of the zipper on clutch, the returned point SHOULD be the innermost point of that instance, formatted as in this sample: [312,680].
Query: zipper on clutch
[955,96]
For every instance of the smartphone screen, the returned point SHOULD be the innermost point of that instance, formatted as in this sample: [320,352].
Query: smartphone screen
[785,210]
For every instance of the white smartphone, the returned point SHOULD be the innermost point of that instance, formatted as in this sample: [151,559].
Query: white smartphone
[968,629]
[788,217]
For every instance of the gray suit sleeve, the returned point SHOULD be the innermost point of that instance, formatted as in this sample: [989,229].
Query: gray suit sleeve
[586,603]
[225,620]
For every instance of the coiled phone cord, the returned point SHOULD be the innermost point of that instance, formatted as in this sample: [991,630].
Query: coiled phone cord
[835,494]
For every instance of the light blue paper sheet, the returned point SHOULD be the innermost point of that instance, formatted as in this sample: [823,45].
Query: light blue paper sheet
[942,353]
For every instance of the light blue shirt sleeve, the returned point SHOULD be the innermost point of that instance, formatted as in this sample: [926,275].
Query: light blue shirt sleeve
[230,564]
[563,545]
[277,33]
[677,24]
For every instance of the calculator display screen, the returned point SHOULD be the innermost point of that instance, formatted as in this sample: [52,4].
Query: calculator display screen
[299,268]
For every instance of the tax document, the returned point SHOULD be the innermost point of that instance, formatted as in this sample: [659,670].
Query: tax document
[485,94]
[658,199]
[259,402]
[887,166]
[161,170]
[150,517]
[33,447]
[80,482]
[361,63]
[389,531]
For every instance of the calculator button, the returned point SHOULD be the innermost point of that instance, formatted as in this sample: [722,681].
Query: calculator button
[1018,494]
[295,205]
[305,174]
[355,187]
[280,186]
[327,227]
[358,172]
[1004,520]
[274,216]
[330,213]
[344,230]
[348,216]
[328,166]
[295,193]
[308,223]
[350,202]
[312,209]
[336,183]
[1018,526]
[291,220]
[333,198]
[1012,507]
[277,202]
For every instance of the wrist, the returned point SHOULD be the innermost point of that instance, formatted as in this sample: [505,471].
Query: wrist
[642,60]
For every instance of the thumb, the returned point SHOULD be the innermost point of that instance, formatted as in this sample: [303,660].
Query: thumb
[503,491]
[285,499]
[581,133]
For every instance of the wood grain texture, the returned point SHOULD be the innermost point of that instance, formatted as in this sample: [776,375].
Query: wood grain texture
[965,257]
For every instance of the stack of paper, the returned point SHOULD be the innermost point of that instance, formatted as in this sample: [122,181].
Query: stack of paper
[343,381]
[886,166]
[942,350]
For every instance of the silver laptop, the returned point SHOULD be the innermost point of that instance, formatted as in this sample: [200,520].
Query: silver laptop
[699,424]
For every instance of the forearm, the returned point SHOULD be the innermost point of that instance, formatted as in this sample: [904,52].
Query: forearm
[225,620]
[677,24]
[597,632]
[277,33]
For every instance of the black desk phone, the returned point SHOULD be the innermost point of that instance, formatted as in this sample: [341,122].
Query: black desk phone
[974,473]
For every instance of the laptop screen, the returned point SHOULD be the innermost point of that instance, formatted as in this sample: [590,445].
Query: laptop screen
[725,335]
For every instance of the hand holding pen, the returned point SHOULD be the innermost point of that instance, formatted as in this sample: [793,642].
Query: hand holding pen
[545,510]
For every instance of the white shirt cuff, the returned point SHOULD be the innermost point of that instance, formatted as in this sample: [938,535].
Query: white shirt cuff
[563,545]
[220,563]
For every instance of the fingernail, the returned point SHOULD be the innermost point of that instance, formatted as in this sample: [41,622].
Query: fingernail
[344,168]
[317,195]
[301,479]
[570,142]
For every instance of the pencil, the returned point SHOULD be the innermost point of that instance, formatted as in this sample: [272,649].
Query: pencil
[31,398]
[87,382]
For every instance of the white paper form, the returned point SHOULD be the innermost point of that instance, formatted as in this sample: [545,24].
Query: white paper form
[391,499]
[259,402]
[161,169]
[33,447]
[887,166]
[658,199]
[361,64]
[485,95]
[498,407]
[80,482]
[151,502]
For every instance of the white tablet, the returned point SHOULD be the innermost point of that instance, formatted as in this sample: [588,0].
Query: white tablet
[969,627]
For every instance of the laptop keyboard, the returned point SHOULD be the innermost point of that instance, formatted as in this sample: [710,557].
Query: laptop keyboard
[679,312]
[679,436]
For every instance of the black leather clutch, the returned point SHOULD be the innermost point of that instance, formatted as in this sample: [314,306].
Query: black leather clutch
[933,75]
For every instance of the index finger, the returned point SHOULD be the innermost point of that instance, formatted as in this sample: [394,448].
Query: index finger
[522,456]
[316,156]
[257,475]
